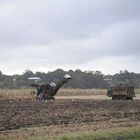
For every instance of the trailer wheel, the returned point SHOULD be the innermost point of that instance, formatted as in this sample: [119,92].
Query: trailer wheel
[129,98]
[114,98]
[124,98]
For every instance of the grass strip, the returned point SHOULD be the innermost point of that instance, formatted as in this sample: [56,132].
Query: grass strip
[115,134]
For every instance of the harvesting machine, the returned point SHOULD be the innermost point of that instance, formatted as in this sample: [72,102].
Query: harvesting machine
[48,91]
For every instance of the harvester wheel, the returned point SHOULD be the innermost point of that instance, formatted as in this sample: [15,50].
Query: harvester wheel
[52,98]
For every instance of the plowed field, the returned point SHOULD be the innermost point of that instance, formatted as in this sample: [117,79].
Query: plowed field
[22,114]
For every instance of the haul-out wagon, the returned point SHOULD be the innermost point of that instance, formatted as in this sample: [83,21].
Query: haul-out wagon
[121,92]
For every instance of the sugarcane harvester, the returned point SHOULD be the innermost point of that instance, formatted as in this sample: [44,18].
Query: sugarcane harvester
[48,91]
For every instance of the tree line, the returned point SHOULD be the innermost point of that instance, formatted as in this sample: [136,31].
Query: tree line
[80,79]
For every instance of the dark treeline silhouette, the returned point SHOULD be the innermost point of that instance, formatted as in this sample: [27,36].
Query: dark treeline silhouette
[80,79]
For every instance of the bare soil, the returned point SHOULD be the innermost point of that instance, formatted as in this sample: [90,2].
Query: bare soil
[66,112]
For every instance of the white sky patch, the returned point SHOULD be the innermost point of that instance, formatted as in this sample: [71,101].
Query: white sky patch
[6,9]
[112,65]
[107,65]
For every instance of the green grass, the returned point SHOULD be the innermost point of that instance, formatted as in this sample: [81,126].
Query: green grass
[121,134]
[40,133]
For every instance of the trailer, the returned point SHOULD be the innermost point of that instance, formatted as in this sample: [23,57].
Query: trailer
[121,92]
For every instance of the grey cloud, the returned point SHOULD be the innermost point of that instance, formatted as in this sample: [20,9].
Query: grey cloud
[48,21]
[68,31]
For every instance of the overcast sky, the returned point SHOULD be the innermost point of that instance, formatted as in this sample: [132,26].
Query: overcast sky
[43,35]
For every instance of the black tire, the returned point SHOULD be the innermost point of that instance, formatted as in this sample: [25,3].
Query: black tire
[114,98]
[124,98]
[129,98]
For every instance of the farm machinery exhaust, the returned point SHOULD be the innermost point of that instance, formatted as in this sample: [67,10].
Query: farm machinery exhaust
[48,91]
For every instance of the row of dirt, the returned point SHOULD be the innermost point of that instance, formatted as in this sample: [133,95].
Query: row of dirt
[23,114]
